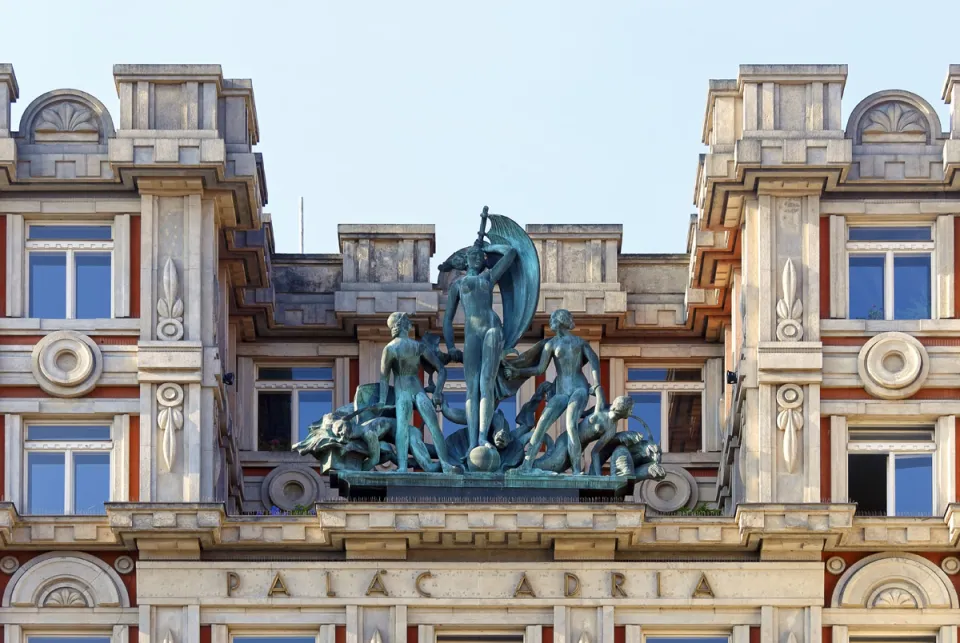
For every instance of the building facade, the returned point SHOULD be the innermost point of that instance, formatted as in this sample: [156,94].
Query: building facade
[798,365]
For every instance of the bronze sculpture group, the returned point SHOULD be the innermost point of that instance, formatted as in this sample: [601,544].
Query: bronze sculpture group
[378,429]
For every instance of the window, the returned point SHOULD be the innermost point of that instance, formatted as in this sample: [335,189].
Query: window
[669,401]
[70,274]
[455,395]
[68,639]
[890,272]
[890,471]
[67,468]
[289,400]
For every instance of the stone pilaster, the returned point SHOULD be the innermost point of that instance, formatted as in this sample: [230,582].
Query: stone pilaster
[9,92]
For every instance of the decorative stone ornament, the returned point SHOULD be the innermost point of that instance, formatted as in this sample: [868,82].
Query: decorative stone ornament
[790,421]
[950,564]
[169,421]
[289,486]
[678,490]
[789,307]
[123,564]
[836,565]
[67,363]
[893,366]
[9,564]
[170,305]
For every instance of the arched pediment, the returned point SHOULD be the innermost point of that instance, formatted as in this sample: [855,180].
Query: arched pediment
[893,116]
[65,579]
[895,581]
[66,116]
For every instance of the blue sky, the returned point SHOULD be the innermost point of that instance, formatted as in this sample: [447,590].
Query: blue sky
[422,112]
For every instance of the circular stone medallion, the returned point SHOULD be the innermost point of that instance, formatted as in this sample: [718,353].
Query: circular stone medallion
[893,366]
[67,363]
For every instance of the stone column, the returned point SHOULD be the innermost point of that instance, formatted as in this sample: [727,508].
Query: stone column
[178,354]
[782,263]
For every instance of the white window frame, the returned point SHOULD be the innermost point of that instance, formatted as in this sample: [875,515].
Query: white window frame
[890,249]
[665,389]
[893,448]
[68,448]
[71,247]
[294,387]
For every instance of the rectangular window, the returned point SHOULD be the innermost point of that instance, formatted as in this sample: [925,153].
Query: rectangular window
[455,395]
[890,272]
[890,471]
[70,271]
[67,468]
[289,400]
[669,403]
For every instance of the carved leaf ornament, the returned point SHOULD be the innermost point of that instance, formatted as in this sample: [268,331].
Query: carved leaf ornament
[790,421]
[893,117]
[789,307]
[169,421]
[170,305]
[66,117]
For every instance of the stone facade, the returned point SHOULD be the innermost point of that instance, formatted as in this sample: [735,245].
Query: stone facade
[774,394]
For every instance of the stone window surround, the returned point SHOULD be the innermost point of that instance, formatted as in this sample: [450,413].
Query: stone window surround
[944,461]
[15,471]
[17,257]
[941,257]
[729,626]
[882,634]
[665,388]
[334,385]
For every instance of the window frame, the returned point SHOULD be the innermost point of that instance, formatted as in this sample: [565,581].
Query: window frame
[893,448]
[666,389]
[70,247]
[69,447]
[294,387]
[889,250]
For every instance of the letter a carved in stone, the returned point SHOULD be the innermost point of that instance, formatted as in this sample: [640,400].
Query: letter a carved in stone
[524,588]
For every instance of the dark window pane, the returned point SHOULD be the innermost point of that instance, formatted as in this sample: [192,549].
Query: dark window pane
[663,375]
[70,232]
[866,286]
[455,400]
[913,484]
[46,482]
[454,374]
[297,373]
[646,406]
[911,287]
[94,288]
[91,483]
[65,432]
[509,409]
[921,233]
[273,421]
[867,482]
[48,285]
[684,421]
[313,405]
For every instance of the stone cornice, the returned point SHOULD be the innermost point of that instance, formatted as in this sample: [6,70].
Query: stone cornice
[363,531]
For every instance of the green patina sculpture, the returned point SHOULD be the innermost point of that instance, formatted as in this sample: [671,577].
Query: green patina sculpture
[377,429]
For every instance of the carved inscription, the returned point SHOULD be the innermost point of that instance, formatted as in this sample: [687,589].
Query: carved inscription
[569,584]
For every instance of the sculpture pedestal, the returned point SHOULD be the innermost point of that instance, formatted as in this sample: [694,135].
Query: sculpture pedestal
[418,486]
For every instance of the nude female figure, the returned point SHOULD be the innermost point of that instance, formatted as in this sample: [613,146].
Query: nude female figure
[482,335]
[571,390]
